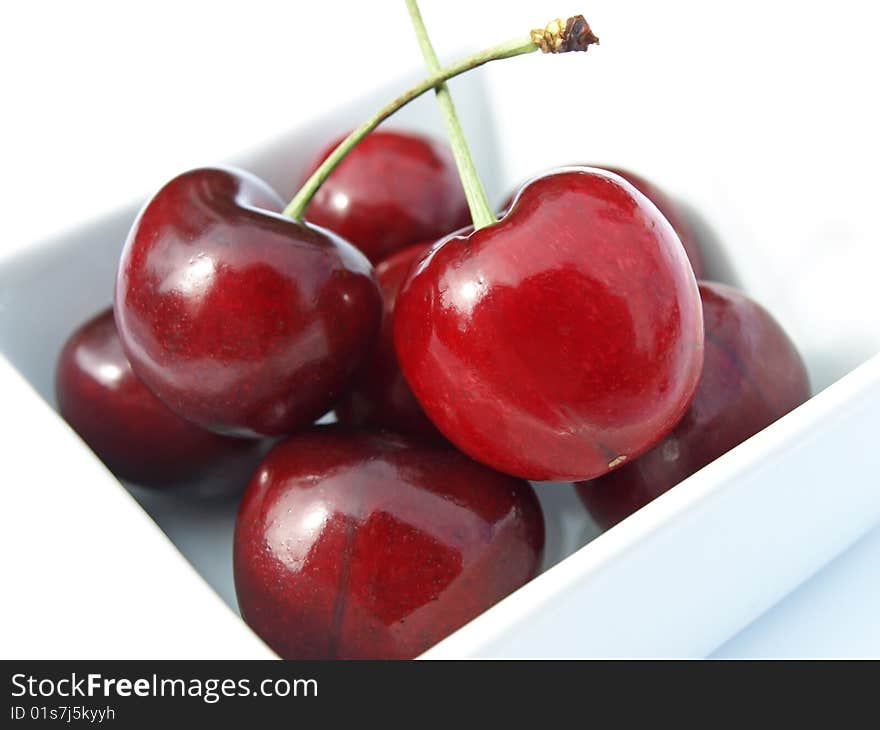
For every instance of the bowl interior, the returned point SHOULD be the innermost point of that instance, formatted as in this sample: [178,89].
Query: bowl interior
[51,288]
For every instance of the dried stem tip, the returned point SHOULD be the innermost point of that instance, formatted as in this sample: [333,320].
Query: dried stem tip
[562,36]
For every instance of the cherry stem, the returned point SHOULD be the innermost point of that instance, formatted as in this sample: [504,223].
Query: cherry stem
[478,202]
[558,37]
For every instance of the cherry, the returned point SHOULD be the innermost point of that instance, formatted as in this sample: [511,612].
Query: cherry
[241,320]
[380,395]
[752,376]
[132,431]
[393,189]
[356,545]
[561,341]
[670,210]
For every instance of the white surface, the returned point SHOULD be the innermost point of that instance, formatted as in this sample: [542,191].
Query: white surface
[758,115]
[836,614]
[77,585]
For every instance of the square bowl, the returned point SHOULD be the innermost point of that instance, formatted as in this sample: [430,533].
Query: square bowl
[677,578]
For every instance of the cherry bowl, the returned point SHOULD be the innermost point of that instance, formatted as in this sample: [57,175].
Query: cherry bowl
[677,578]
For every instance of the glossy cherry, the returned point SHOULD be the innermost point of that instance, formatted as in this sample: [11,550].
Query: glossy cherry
[239,319]
[379,395]
[356,545]
[130,429]
[561,341]
[394,189]
[752,376]
[670,210]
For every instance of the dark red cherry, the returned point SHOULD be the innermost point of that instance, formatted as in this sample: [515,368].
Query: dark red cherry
[561,341]
[752,376]
[379,395]
[393,189]
[670,210]
[354,545]
[130,429]
[239,319]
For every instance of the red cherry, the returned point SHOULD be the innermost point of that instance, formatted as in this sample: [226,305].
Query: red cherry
[561,341]
[131,430]
[239,319]
[393,189]
[380,395]
[752,376]
[354,545]
[670,210]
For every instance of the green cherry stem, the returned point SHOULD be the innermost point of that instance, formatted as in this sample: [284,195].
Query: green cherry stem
[478,202]
[558,37]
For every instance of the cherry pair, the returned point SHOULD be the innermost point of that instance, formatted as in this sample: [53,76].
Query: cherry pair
[542,346]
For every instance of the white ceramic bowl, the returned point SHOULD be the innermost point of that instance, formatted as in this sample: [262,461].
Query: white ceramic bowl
[678,578]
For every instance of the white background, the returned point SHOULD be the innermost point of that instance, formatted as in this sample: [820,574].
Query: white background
[103,101]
